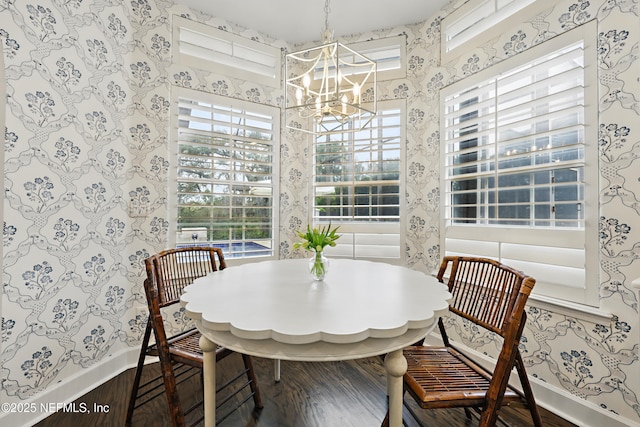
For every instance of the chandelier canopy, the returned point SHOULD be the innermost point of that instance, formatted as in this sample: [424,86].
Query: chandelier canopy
[332,84]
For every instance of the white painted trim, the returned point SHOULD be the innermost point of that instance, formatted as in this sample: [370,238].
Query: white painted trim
[566,405]
[571,309]
[69,389]
[560,402]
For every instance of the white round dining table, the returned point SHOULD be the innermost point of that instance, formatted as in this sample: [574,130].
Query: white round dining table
[274,309]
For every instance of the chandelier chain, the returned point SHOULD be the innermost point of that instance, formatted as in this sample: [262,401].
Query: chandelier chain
[326,15]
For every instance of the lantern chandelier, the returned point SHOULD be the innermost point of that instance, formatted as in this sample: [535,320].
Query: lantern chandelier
[328,84]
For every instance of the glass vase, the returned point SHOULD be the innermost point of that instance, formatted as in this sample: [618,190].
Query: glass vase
[318,266]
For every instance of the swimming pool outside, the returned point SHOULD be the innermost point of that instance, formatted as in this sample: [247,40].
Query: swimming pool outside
[236,250]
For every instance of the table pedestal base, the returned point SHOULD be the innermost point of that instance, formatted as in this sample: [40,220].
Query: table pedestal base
[394,362]
[396,366]
[209,376]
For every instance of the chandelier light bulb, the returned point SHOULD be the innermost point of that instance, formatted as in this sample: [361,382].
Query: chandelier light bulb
[299,96]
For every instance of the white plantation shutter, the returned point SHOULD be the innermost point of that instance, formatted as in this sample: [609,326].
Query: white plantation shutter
[475,18]
[226,174]
[519,168]
[557,260]
[213,49]
[515,145]
[389,54]
[356,184]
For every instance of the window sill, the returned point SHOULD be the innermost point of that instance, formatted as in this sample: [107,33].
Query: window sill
[571,309]
[568,308]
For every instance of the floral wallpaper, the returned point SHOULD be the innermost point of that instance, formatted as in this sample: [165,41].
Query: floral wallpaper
[86,150]
[88,101]
[595,360]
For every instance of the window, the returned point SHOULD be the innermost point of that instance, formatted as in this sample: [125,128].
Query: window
[478,20]
[520,165]
[357,185]
[225,185]
[216,50]
[389,54]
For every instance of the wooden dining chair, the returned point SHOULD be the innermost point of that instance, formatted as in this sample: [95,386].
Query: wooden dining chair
[168,272]
[491,296]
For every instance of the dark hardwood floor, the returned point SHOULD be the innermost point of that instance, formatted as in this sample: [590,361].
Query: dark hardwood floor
[331,394]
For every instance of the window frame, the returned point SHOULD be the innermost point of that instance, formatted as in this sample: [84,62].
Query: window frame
[495,241]
[369,240]
[236,55]
[486,28]
[274,112]
[378,50]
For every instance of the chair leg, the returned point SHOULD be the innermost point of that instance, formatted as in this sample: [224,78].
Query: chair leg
[385,422]
[170,387]
[136,381]
[253,381]
[276,370]
[467,412]
[526,388]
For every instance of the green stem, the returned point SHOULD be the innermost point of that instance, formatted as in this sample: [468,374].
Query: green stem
[318,266]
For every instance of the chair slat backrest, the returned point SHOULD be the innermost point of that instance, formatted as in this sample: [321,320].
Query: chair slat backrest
[173,269]
[485,291]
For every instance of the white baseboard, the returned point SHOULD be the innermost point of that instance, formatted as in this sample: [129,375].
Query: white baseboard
[68,390]
[558,401]
[573,409]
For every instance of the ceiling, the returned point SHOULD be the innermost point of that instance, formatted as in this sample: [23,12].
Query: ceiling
[299,21]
